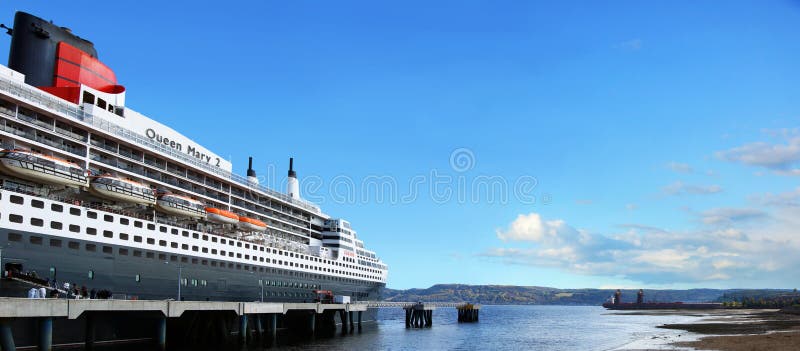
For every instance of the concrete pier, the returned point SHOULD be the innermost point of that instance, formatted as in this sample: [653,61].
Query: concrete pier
[200,322]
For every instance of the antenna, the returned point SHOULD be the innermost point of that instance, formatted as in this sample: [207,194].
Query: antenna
[250,171]
[292,173]
[9,31]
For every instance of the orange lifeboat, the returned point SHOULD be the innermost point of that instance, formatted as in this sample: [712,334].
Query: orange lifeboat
[122,189]
[252,224]
[47,169]
[180,205]
[221,216]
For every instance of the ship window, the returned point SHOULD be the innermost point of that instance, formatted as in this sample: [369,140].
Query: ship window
[137,238]
[92,215]
[56,208]
[137,224]
[222,252]
[14,237]
[150,255]
[246,257]
[175,231]
[239,267]
[108,218]
[205,250]
[162,243]
[213,263]
[17,200]
[88,97]
[174,245]
[162,257]
[15,218]
[101,103]
[37,203]
[184,259]
[107,249]
[124,221]
[230,254]
[74,228]
[238,255]
[246,246]
[173,258]
[123,252]
[163,229]
[151,241]
[151,226]
[74,245]
[213,239]
[90,274]
[194,261]
[194,248]
[230,242]
[137,253]
[91,231]
[205,237]
[213,251]
[222,241]
[108,234]
[186,234]
[195,236]
[184,281]
[74,211]
[37,222]
[239,244]
[123,236]
[138,278]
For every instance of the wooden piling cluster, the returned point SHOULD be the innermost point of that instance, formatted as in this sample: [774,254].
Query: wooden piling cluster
[468,313]
[419,316]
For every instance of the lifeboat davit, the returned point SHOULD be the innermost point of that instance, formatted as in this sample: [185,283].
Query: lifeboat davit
[180,205]
[121,189]
[251,224]
[38,167]
[221,216]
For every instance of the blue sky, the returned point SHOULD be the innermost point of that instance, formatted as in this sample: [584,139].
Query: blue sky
[662,136]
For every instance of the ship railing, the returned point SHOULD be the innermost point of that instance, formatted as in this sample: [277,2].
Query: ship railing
[55,104]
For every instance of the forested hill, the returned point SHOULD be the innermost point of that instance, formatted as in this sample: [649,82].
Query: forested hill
[537,295]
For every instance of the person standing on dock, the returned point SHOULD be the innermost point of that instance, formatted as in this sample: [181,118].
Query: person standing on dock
[640,296]
[617,297]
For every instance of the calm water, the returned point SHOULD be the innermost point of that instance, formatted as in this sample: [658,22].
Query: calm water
[508,328]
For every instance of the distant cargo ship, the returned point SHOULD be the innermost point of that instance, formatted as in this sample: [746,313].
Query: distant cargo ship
[662,306]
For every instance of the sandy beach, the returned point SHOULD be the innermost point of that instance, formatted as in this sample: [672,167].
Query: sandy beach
[739,330]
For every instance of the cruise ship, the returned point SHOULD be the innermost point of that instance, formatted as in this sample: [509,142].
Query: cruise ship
[95,194]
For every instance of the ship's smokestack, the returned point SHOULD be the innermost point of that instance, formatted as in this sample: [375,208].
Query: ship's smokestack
[292,185]
[251,174]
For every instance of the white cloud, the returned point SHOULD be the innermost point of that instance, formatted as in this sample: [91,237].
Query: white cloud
[782,158]
[631,207]
[723,248]
[681,188]
[727,216]
[679,167]
[785,199]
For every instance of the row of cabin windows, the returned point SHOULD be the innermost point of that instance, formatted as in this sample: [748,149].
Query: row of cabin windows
[37,240]
[150,226]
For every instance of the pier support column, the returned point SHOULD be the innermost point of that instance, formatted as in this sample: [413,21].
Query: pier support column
[273,329]
[45,334]
[429,320]
[408,318]
[88,340]
[352,328]
[161,334]
[343,315]
[359,320]
[243,329]
[312,323]
[259,328]
[6,337]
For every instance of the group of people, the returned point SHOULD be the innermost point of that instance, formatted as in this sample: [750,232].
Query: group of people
[67,290]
